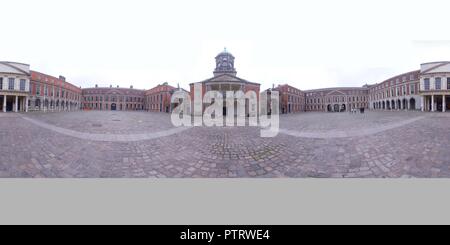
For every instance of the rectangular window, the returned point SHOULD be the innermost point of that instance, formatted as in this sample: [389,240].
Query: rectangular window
[448,82]
[22,84]
[437,83]
[1,83]
[426,84]
[11,84]
[412,89]
[45,90]
[38,89]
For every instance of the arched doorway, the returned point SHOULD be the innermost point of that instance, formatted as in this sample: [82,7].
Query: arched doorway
[388,105]
[336,108]
[113,107]
[329,109]
[412,104]
[343,108]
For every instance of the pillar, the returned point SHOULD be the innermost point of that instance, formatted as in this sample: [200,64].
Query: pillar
[443,103]
[26,104]
[4,103]
[16,105]
[432,103]
[422,105]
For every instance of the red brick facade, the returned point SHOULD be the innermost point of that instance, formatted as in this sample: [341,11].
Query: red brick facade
[121,99]
[158,98]
[51,93]
[292,100]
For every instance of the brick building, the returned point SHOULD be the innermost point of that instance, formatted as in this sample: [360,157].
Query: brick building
[112,99]
[427,89]
[224,80]
[48,93]
[158,98]
[292,100]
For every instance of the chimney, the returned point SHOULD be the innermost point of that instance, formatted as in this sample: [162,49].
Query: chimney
[62,78]
[131,86]
[96,85]
[110,86]
[117,86]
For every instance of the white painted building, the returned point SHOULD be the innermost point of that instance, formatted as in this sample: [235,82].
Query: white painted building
[435,86]
[14,86]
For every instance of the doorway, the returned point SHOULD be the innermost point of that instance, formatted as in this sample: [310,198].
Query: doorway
[9,103]
[113,107]
[447,103]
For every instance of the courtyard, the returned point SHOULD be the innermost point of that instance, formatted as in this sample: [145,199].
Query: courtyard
[110,144]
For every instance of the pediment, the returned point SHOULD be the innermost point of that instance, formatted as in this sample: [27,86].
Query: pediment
[442,67]
[225,78]
[335,93]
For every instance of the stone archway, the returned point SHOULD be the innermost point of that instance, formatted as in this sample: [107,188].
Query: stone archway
[329,109]
[412,104]
[336,108]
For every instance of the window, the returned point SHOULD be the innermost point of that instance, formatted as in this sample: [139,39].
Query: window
[437,83]
[1,83]
[11,84]
[38,89]
[45,90]
[448,82]
[426,84]
[412,89]
[22,84]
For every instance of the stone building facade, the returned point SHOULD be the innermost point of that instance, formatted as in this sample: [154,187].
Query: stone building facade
[14,86]
[435,86]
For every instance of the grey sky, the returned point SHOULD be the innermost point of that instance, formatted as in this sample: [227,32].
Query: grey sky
[309,44]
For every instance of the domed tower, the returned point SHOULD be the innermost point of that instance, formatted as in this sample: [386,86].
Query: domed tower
[225,64]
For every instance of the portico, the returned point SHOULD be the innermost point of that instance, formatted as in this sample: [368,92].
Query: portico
[436,102]
[13,102]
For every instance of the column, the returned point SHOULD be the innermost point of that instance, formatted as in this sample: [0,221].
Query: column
[16,105]
[26,104]
[443,103]
[432,103]
[4,103]
[422,105]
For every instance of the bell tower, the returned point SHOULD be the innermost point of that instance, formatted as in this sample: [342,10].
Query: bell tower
[225,64]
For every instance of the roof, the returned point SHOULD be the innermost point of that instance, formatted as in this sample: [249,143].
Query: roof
[14,68]
[231,77]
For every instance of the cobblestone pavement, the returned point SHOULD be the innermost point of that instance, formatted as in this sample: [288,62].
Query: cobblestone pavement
[401,144]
